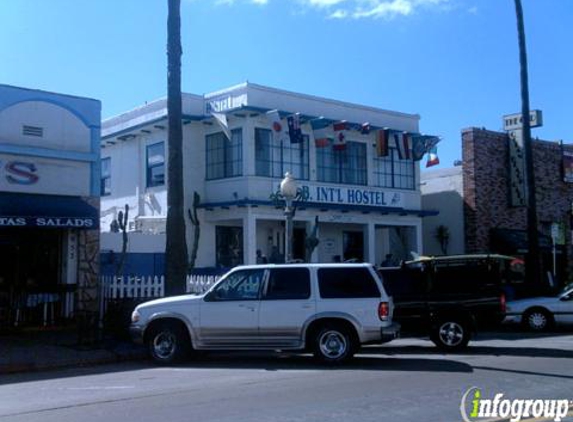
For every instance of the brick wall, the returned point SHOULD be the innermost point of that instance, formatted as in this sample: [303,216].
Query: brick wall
[486,188]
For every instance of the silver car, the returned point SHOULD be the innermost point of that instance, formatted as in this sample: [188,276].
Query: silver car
[542,313]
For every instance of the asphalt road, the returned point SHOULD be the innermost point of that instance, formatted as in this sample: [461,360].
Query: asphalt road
[407,380]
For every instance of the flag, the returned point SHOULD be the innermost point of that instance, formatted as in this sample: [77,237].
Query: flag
[382,142]
[423,144]
[279,130]
[365,128]
[321,131]
[340,129]
[294,130]
[221,119]
[402,145]
[433,159]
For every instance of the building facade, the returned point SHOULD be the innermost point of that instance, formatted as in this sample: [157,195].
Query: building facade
[481,192]
[443,190]
[49,205]
[492,223]
[359,204]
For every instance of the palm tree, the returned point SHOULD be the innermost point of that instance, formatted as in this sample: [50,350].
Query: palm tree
[176,247]
[532,268]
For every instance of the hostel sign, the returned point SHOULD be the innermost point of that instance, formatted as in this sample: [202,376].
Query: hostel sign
[354,196]
[351,196]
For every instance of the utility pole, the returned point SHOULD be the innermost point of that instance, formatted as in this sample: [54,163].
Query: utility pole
[532,267]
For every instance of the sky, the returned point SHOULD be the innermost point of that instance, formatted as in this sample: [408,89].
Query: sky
[453,62]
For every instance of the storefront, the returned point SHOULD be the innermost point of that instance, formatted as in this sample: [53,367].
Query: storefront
[49,207]
[345,230]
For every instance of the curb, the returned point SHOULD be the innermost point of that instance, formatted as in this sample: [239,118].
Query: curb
[113,357]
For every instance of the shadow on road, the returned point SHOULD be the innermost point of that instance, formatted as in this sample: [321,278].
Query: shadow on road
[267,361]
[473,349]
[287,361]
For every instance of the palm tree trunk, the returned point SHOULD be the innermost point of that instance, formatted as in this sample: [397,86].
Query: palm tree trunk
[532,269]
[176,247]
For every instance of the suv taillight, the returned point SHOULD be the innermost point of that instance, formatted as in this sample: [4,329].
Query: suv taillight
[503,303]
[384,311]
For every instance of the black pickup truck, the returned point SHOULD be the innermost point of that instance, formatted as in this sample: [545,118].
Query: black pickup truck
[449,298]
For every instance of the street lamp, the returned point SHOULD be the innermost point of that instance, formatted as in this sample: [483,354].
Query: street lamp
[289,192]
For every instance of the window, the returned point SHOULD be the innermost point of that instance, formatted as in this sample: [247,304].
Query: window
[229,241]
[288,283]
[224,156]
[346,166]
[105,186]
[392,172]
[336,283]
[275,158]
[404,282]
[240,285]
[156,165]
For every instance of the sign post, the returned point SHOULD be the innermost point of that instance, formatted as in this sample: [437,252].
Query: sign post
[555,229]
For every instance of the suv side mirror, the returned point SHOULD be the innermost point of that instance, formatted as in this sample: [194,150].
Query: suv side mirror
[213,296]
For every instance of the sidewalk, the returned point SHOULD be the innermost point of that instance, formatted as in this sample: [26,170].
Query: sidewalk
[50,349]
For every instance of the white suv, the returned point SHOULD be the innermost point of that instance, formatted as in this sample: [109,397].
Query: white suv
[329,309]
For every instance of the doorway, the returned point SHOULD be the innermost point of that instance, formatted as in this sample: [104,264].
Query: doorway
[353,246]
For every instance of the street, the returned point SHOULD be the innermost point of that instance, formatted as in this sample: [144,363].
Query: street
[406,380]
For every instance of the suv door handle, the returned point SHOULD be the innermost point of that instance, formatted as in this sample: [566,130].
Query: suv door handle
[249,307]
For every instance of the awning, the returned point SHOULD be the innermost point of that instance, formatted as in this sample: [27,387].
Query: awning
[365,209]
[46,211]
[512,241]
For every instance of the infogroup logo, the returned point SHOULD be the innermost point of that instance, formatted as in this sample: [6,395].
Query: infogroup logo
[475,407]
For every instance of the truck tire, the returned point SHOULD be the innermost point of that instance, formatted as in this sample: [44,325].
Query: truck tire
[450,334]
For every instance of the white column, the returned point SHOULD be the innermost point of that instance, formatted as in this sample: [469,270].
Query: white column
[371,243]
[248,146]
[249,239]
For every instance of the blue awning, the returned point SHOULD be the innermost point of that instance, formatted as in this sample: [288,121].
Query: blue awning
[322,207]
[46,211]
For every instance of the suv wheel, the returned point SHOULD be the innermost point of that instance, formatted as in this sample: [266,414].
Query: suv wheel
[334,344]
[168,343]
[450,335]
[538,320]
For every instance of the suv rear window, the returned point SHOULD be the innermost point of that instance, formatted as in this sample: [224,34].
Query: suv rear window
[288,283]
[337,283]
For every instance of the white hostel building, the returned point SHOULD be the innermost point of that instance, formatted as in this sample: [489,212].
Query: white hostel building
[367,203]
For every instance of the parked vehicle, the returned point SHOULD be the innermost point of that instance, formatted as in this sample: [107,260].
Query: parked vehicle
[329,309]
[448,298]
[542,313]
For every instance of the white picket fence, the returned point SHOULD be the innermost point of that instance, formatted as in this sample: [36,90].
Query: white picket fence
[150,286]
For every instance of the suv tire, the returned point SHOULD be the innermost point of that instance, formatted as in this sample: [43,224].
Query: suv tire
[168,343]
[450,334]
[334,344]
